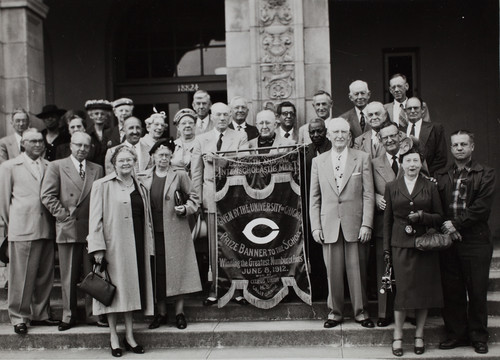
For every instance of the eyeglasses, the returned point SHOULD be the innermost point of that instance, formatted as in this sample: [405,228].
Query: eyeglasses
[387,137]
[288,113]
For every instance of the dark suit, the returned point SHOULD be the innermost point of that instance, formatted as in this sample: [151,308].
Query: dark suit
[251,131]
[465,266]
[66,195]
[112,137]
[352,118]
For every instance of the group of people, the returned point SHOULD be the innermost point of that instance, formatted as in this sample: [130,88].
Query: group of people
[123,200]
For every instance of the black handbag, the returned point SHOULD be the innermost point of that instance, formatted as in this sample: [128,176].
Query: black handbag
[100,288]
[433,240]
[179,198]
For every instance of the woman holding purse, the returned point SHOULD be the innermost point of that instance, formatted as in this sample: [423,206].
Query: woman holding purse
[176,266]
[121,239]
[412,206]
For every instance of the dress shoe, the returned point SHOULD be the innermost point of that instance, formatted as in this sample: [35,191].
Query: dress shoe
[331,323]
[63,326]
[367,323]
[115,352]
[21,329]
[180,321]
[138,349]
[209,301]
[158,320]
[47,322]
[383,322]
[419,350]
[452,343]
[240,300]
[397,351]
[480,347]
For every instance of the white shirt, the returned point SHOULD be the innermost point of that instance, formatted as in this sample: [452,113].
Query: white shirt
[242,125]
[397,110]
[283,132]
[202,123]
[77,164]
[339,165]
[358,112]
[34,165]
[389,157]
[418,126]
[410,184]
[217,135]
[375,140]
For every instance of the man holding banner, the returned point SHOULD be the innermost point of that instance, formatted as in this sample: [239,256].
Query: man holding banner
[341,212]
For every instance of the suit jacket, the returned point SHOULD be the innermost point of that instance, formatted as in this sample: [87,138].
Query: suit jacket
[202,170]
[364,143]
[278,141]
[382,174]
[21,210]
[352,118]
[251,131]
[146,161]
[67,196]
[433,144]
[112,137]
[390,112]
[351,206]
[400,203]
[209,127]
[9,148]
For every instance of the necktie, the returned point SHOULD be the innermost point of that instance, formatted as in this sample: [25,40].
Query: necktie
[287,135]
[395,166]
[412,130]
[362,121]
[36,168]
[239,128]
[338,171]
[403,121]
[82,172]
[219,142]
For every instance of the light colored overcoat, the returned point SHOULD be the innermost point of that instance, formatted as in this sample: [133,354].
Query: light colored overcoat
[180,257]
[111,229]
[9,148]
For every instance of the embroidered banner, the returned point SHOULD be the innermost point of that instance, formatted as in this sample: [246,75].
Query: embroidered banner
[259,229]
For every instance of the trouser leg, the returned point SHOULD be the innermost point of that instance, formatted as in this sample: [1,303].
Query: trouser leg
[334,262]
[357,292]
[40,306]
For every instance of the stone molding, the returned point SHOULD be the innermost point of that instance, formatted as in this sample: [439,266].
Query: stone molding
[36,6]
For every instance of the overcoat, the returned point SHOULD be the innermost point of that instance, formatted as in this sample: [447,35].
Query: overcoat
[111,229]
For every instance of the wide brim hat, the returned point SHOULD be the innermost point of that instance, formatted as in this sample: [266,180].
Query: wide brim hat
[49,110]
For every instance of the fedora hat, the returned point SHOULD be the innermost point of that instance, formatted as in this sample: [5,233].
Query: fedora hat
[49,110]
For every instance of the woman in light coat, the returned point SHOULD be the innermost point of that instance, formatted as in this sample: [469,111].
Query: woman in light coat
[120,235]
[176,266]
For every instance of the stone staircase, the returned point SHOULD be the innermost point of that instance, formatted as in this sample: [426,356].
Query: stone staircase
[290,324]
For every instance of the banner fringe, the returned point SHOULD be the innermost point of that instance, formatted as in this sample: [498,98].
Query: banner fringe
[257,193]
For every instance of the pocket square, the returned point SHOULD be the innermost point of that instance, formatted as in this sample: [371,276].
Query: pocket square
[356,173]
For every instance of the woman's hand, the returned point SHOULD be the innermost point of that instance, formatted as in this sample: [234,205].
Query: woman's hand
[99,256]
[180,210]
[416,217]
[387,257]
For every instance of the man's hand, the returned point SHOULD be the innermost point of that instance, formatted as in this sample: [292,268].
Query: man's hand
[455,236]
[447,227]
[365,234]
[208,157]
[318,236]
[380,201]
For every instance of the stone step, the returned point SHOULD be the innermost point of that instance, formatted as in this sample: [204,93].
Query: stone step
[495,261]
[494,283]
[229,334]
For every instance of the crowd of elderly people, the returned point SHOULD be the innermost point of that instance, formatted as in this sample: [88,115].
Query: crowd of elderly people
[119,196]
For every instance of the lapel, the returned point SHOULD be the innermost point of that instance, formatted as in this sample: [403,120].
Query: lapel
[90,174]
[425,131]
[384,168]
[419,185]
[28,168]
[146,177]
[328,166]
[390,111]
[355,127]
[69,169]
[228,140]
[171,175]
[350,164]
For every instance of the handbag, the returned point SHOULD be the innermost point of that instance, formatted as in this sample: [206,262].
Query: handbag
[99,287]
[179,198]
[433,240]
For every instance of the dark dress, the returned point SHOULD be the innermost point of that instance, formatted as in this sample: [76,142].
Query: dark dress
[138,221]
[417,273]
[157,188]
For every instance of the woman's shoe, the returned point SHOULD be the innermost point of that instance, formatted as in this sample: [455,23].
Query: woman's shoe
[115,352]
[137,349]
[419,350]
[180,320]
[157,321]
[397,351]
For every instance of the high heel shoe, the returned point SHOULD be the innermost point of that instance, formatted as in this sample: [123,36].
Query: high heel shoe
[157,321]
[115,352]
[180,321]
[419,350]
[397,351]
[137,349]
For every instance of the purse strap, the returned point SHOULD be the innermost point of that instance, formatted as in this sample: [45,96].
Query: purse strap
[105,272]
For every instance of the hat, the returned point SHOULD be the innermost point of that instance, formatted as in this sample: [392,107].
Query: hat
[49,110]
[122,101]
[184,112]
[168,143]
[98,105]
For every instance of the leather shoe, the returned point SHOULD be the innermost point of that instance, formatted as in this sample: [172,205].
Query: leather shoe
[21,329]
[419,350]
[115,352]
[452,343]
[480,347]
[331,323]
[158,320]
[383,322]
[240,300]
[209,301]
[138,349]
[367,323]
[47,322]
[63,326]
[397,351]
[180,321]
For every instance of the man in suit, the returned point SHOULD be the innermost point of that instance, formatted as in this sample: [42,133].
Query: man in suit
[66,194]
[369,140]
[398,86]
[266,125]
[122,108]
[322,104]
[220,138]
[359,94]
[201,104]
[31,235]
[385,169]
[341,212]
[320,144]
[288,118]
[133,131]
[239,113]
[430,135]
[466,188]
[10,146]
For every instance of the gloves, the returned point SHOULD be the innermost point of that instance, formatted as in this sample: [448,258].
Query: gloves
[416,217]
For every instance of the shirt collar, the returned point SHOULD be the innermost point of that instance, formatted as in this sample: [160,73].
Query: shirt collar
[389,156]
[343,153]
[398,104]
[217,132]
[283,132]
[77,163]
[467,167]
[243,125]
[30,160]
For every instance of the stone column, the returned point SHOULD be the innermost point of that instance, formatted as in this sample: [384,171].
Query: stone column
[22,70]
[278,50]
